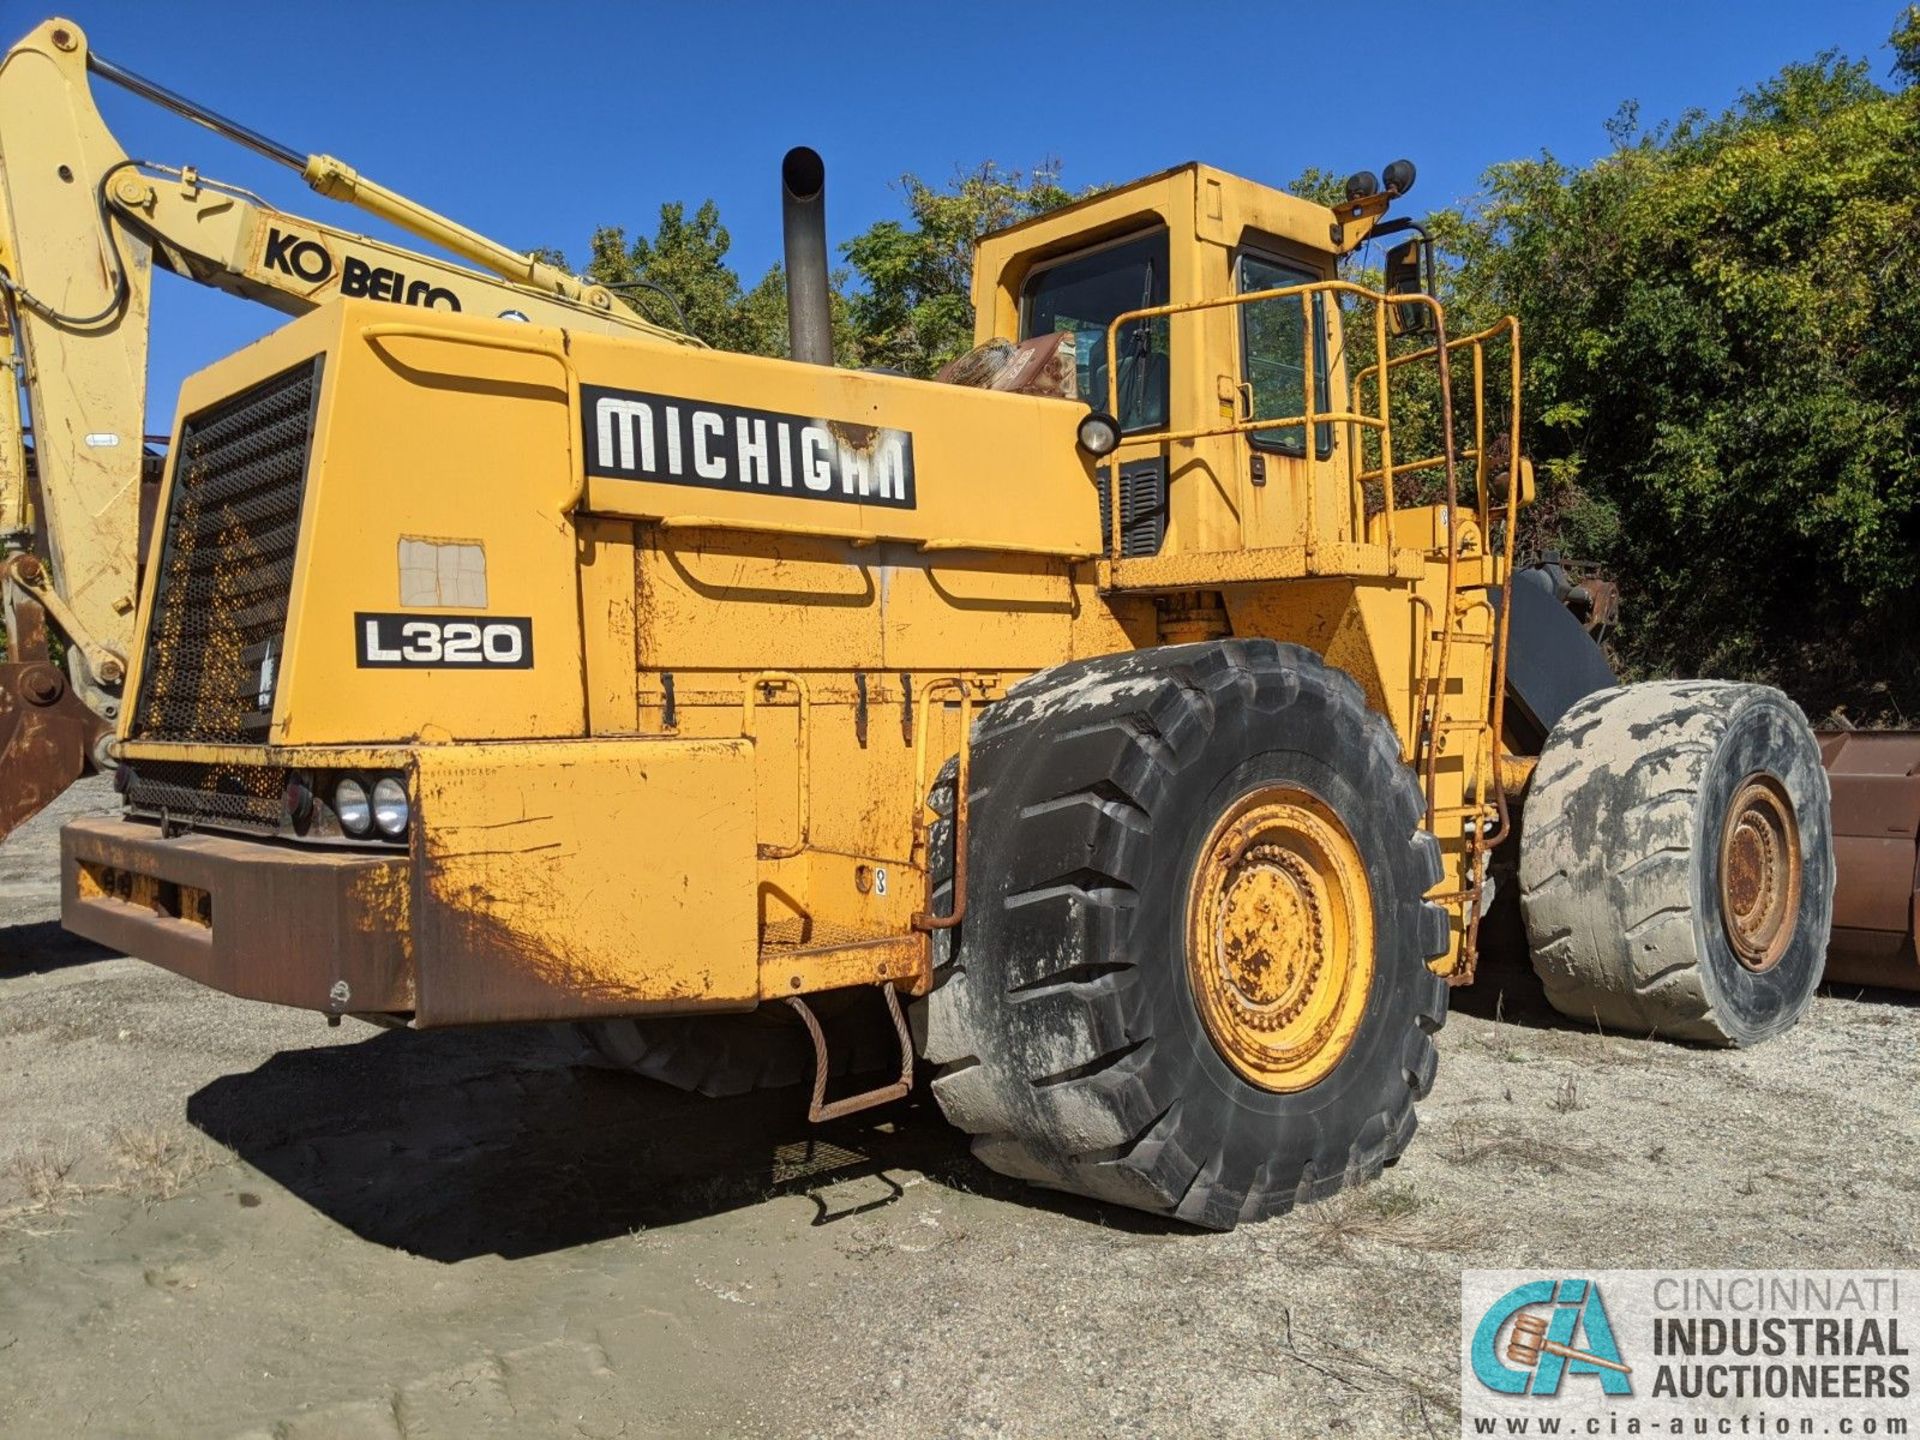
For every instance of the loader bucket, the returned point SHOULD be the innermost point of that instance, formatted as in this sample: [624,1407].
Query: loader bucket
[1875,777]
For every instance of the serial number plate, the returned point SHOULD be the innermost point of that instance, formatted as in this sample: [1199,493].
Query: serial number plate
[443,642]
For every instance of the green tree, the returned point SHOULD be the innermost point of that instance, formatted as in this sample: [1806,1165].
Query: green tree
[906,304]
[1319,185]
[911,308]
[1723,359]
[686,257]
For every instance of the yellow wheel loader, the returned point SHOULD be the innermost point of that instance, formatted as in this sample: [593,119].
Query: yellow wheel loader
[1124,734]
[82,227]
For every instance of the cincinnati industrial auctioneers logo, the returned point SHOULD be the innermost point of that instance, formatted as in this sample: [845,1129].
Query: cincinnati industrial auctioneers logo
[1689,1352]
[1537,1334]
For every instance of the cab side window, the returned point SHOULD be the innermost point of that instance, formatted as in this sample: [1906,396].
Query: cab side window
[1273,355]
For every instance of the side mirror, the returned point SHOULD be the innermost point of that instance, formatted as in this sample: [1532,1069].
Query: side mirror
[1407,268]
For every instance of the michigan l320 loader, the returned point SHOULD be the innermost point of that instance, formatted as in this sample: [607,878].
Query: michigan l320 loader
[1133,726]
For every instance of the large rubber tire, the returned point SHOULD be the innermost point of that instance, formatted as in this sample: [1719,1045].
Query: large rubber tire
[1063,1021]
[1620,850]
[764,1049]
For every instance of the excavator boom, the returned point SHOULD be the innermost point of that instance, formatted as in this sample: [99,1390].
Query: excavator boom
[82,227]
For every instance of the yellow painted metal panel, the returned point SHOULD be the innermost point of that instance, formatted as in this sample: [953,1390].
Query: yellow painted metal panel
[609,626]
[427,438]
[1016,613]
[586,877]
[718,599]
[993,470]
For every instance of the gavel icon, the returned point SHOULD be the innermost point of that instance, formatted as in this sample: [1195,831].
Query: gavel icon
[1529,1342]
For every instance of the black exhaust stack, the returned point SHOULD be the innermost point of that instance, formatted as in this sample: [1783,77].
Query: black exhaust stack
[803,214]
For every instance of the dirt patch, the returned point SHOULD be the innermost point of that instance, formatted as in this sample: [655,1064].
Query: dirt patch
[224,1219]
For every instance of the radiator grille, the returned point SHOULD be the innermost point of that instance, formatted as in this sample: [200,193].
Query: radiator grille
[226,565]
[249,797]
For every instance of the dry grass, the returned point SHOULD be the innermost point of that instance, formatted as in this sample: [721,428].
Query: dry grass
[1566,1096]
[1473,1141]
[43,1176]
[41,1173]
[1385,1213]
[155,1163]
[1359,1371]
[149,1163]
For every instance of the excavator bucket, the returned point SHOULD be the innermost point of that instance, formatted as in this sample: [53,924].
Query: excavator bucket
[47,736]
[1876,856]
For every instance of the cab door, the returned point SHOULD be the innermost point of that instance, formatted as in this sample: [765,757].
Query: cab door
[1285,469]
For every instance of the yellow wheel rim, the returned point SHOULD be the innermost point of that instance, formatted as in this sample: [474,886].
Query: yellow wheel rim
[1280,938]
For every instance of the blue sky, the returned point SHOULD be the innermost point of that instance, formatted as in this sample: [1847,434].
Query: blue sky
[535,123]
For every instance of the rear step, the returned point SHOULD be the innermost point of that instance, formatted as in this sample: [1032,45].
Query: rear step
[818,1109]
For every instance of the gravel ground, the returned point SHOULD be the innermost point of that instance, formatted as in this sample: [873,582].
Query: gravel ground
[223,1219]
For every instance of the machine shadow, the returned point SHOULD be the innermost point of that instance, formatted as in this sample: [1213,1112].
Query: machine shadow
[456,1144]
[43,947]
[1505,987]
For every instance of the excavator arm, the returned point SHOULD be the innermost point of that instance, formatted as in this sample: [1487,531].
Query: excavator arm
[82,226]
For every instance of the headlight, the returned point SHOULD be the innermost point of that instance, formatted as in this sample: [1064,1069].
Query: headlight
[1099,434]
[351,807]
[390,806]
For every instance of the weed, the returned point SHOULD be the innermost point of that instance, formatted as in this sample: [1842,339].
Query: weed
[154,1162]
[41,1173]
[1470,1142]
[1384,1214]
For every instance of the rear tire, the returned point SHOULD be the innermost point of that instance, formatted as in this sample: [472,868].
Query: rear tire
[1064,1019]
[1676,862]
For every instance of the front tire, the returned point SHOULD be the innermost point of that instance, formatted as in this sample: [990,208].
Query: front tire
[1192,977]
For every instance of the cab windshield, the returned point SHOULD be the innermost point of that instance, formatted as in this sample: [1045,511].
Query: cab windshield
[1082,295]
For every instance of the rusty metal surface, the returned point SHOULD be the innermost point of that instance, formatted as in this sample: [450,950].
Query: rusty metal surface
[1760,873]
[1875,778]
[1044,365]
[320,930]
[46,739]
[47,735]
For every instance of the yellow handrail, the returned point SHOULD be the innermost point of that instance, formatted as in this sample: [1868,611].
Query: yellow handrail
[1315,411]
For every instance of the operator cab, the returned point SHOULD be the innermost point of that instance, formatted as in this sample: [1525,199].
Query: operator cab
[1189,384]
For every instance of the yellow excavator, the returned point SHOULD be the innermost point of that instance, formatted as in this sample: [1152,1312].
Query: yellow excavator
[82,227]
